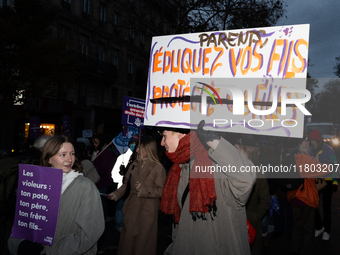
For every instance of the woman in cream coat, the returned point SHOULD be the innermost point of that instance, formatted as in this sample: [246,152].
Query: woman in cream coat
[80,219]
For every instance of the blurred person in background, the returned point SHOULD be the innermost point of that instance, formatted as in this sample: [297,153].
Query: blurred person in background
[259,200]
[325,154]
[34,151]
[103,159]
[304,200]
[89,171]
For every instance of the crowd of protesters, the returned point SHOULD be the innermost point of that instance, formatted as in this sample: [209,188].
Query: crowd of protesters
[209,213]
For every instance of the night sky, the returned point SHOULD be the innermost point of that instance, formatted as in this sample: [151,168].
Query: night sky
[324,36]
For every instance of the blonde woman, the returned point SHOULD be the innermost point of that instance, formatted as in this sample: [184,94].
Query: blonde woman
[144,180]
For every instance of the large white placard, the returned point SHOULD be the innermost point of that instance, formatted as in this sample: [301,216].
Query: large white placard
[270,59]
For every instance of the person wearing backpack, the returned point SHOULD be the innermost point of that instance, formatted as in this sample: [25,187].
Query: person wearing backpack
[304,200]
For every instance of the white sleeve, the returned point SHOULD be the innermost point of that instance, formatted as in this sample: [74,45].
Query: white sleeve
[116,177]
[122,159]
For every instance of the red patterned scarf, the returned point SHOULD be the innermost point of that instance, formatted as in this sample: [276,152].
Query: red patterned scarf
[202,190]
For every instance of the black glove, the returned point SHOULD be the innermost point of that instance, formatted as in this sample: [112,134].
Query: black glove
[204,135]
[122,170]
[28,247]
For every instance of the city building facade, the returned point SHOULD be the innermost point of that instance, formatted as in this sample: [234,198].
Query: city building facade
[110,42]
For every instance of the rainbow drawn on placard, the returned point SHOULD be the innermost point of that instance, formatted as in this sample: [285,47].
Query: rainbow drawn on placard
[212,89]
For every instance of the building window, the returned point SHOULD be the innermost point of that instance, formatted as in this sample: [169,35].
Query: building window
[82,93]
[142,6]
[115,58]
[116,23]
[102,14]
[99,97]
[130,67]
[141,65]
[84,45]
[141,39]
[115,97]
[86,6]
[101,54]
[66,4]
[86,9]
[4,3]
[65,32]
[131,34]
[62,91]
[158,21]
[115,61]
[141,70]
[101,57]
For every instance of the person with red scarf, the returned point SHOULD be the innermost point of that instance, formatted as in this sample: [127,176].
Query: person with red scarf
[207,204]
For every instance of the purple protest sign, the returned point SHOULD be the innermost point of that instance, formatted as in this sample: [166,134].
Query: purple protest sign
[37,205]
[133,112]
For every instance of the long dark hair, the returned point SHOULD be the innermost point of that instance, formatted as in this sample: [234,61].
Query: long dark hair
[101,139]
[52,147]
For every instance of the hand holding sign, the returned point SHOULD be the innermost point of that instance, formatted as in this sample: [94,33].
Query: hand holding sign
[207,138]
[37,205]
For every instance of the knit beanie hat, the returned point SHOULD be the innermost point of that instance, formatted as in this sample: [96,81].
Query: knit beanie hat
[134,139]
[315,135]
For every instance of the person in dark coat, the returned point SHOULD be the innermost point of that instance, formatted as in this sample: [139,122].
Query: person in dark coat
[103,161]
[325,154]
[259,200]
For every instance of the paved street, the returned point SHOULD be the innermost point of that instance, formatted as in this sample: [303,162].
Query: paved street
[277,246]
[281,245]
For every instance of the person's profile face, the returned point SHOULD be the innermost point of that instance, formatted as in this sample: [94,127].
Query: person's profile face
[170,140]
[314,143]
[64,158]
[95,142]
